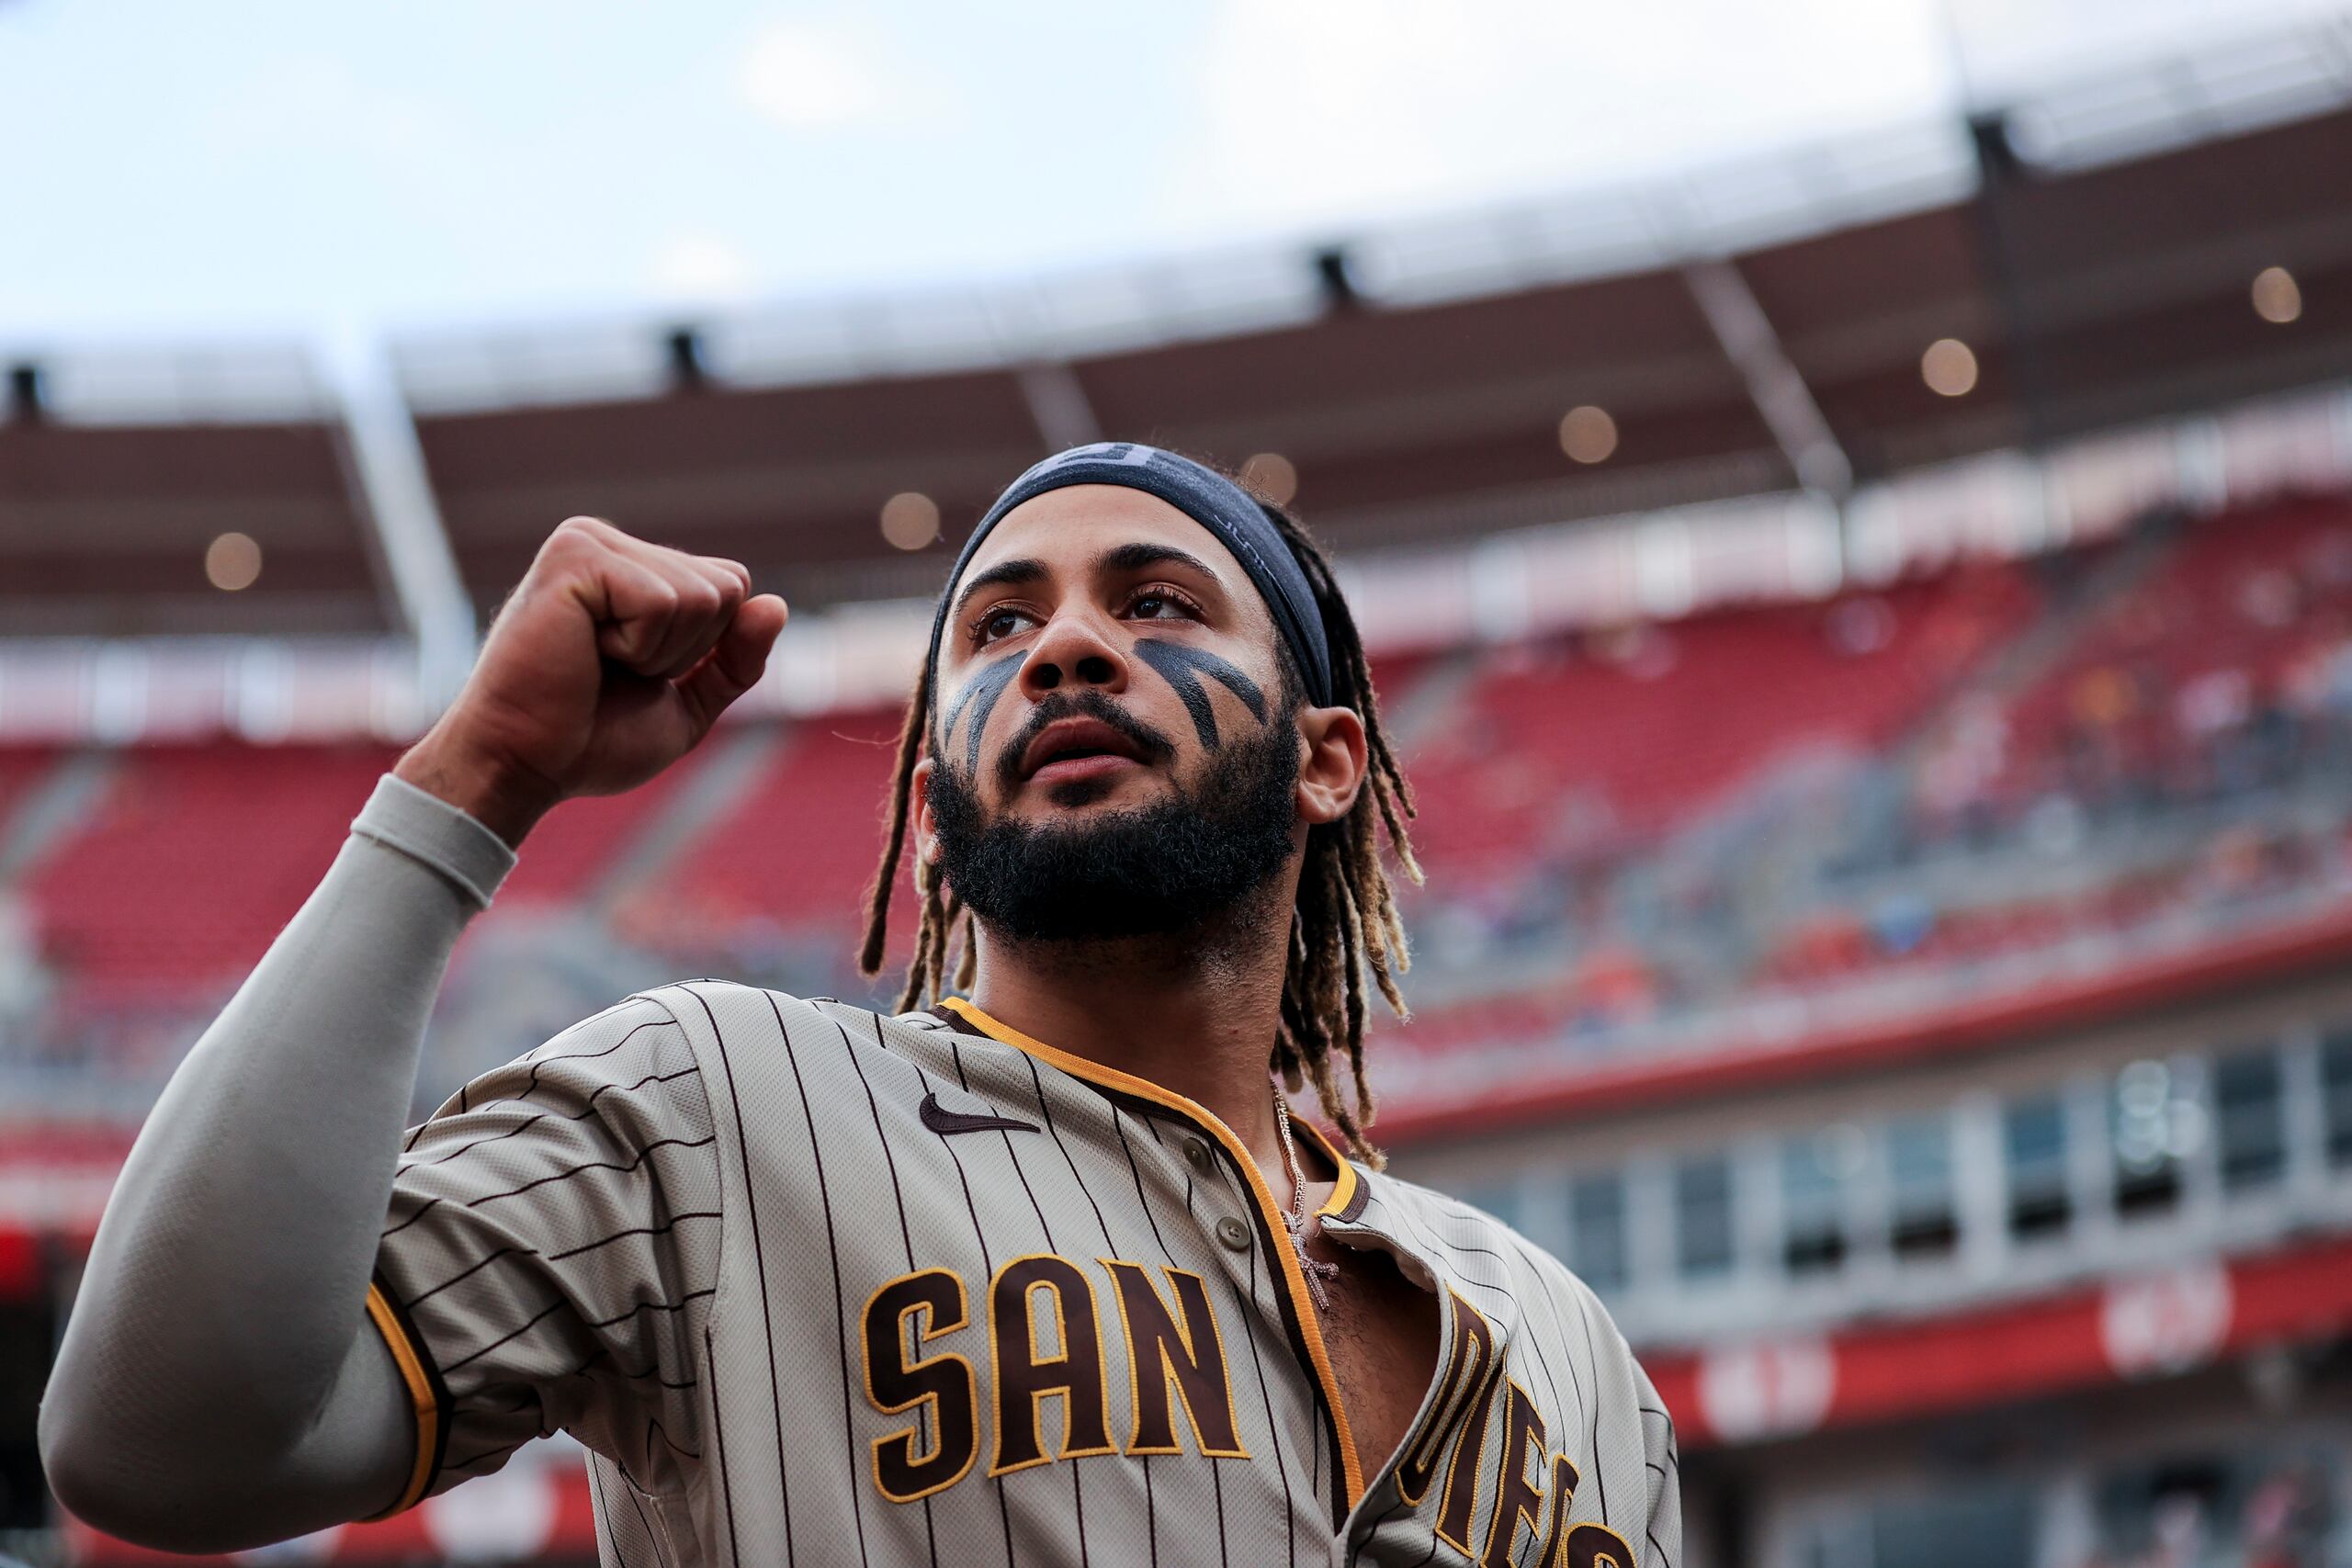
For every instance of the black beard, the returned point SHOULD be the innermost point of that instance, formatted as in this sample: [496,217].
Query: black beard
[1149,871]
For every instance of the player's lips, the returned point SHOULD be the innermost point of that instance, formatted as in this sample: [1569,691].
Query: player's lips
[1078,748]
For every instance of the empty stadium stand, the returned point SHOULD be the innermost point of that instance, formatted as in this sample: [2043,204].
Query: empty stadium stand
[192,859]
[798,850]
[574,845]
[1610,739]
[21,770]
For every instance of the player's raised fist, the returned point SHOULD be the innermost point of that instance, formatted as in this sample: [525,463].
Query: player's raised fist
[610,660]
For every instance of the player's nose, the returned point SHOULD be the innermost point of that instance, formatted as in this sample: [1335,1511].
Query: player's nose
[1076,648]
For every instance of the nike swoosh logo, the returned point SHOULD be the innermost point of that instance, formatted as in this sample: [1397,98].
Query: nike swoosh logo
[942,1121]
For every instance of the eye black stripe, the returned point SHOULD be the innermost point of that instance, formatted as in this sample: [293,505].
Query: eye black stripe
[1182,667]
[979,695]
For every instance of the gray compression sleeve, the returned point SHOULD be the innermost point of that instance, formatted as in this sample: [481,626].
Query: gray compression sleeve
[219,1385]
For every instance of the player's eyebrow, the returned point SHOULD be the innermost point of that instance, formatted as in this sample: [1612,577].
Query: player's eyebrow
[1020,570]
[1142,556]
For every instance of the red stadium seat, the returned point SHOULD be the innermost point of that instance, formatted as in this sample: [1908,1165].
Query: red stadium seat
[1613,738]
[192,859]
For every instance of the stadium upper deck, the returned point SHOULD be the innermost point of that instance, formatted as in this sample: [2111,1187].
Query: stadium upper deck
[2085,255]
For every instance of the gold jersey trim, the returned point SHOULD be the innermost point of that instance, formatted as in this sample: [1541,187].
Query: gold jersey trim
[421,1394]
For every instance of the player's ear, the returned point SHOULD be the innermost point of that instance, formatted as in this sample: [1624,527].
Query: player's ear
[1332,768]
[918,797]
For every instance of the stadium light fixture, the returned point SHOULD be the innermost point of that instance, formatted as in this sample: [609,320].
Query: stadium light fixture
[1949,368]
[25,404]
[2278,297]
[232,562]
[1335,277]
[910,520]
[1587,433]
[682,349]
[1273,476]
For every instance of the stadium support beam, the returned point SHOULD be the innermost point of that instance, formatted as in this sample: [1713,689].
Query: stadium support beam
[391,489]
[1774,385]
[1058,401]
[2002,177]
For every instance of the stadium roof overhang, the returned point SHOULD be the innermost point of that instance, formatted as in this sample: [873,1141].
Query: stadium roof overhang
[1740,325]
[2095,252]
[118,471]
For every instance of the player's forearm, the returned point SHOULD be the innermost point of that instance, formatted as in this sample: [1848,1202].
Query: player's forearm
[217,1322]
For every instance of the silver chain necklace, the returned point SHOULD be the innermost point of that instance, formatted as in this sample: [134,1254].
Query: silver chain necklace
[1314,1268]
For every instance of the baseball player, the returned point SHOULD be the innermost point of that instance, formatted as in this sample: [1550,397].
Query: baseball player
[1044,1272]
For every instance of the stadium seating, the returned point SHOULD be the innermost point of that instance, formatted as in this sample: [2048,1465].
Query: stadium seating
[574,845]
[2236,629]
[191,860]
[1556,777]
[1583,745]
[193,857]
[21,768]
[2225,666]
[800,848]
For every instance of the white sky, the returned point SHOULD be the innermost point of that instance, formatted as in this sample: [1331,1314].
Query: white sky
[288,166]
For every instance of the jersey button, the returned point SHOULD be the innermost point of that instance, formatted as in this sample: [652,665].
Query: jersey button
[1233,1233]
[1197,1155]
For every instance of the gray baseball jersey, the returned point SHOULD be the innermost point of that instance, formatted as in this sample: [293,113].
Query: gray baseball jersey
[817,1285]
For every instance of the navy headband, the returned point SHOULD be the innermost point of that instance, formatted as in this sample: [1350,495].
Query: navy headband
[1205,496]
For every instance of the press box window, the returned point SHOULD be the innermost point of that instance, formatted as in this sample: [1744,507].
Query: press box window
[1817,1172]
[2248,1114]
[2150,1126]
[2033,1147]
[1501,1199]
[1989,1520]
[1597,1229]
[1702,1220]
[2336,1093]
[1985,1522]
[1923,1221]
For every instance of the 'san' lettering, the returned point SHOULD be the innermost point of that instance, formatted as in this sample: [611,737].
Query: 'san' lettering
[1024,1377]
[1188,1355]
[940,1385]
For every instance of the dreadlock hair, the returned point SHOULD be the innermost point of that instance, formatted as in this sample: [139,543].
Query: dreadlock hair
[1344,926]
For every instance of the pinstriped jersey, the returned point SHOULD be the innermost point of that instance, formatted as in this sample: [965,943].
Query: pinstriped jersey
[818,1285]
